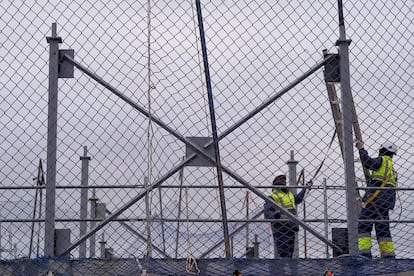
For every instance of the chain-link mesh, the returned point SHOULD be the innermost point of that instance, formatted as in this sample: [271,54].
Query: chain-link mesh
[131,124]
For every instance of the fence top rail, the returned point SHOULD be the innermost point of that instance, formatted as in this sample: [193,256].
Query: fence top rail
[316,187]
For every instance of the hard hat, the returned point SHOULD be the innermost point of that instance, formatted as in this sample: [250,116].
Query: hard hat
[279,173]
[389,147]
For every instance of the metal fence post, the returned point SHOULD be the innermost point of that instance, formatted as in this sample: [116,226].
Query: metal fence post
[325,214]
[93,200]
[102,245]
[84,200]
[292,163]
[53,41]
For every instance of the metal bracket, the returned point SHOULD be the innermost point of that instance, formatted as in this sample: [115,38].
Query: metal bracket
[200,161]
[65,67]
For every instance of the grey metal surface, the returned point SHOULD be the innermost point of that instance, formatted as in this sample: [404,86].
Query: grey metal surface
[53,41]
[347,103]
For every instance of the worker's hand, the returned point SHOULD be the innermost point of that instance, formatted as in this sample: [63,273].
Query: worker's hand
[359,145]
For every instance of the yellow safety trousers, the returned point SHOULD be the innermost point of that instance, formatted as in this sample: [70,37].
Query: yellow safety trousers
[364,244]
[386,247]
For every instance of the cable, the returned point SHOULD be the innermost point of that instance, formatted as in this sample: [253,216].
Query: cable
[149,137]
[320,166]
[191,263]
[201,70]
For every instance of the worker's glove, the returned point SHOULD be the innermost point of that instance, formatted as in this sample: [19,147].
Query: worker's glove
[359,145]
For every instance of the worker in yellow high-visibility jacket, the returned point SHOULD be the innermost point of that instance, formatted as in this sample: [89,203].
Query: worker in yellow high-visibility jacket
[283,231]
[377,203]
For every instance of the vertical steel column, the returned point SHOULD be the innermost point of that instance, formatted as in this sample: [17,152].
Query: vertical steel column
[177,237]
[92,225]
[325,214]
[53,41]
[101,214]
[162,219]
[292,163]
[84,200]
[347,102]
[247,218]
[256,247]
[214,130]
[102,245]
[1,249]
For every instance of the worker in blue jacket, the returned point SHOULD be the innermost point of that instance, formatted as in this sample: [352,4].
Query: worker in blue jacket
[377,203]
[283,231]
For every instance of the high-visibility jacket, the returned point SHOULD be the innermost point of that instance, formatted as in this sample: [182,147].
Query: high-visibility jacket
[385,173]
[287,200]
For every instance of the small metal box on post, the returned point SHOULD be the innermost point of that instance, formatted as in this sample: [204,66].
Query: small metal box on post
[331,70]
[340,238]
[65,67]
[100,210]
[62,242]
[109,253]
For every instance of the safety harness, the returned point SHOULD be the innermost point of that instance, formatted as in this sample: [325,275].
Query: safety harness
[387,178]
[375,194]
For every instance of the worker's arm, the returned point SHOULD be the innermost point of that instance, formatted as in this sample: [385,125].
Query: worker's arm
[270,211]
[300,196]
[368,162]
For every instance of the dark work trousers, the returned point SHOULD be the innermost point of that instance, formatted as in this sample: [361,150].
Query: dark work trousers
[284,237]
[372,211]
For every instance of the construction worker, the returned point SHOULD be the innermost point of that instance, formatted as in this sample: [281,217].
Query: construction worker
[283,231]
[377,203]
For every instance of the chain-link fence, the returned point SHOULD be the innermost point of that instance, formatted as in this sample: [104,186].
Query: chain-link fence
[149,90]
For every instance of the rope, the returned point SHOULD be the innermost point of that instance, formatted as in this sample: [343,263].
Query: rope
[191,264]
[320,166]
[149,137]
[256,206]
[401,209]
[301,177]
[326,155]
